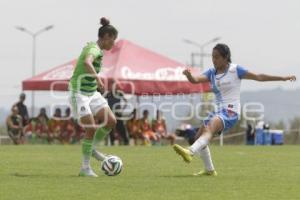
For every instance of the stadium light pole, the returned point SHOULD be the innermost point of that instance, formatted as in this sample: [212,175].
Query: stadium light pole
[34,36]
[202,54]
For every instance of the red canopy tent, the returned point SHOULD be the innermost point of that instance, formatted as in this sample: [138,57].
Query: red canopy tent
[137,70]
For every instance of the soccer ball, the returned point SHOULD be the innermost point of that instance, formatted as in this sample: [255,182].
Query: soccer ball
[112,165]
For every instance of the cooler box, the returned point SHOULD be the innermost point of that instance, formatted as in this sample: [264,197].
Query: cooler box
[277,136]
[259,137]
[267,138]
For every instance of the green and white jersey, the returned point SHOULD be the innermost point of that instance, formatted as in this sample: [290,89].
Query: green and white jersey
[81,80]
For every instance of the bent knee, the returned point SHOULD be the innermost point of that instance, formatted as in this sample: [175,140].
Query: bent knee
[111,123]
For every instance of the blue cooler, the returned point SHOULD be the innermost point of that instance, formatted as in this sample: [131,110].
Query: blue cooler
[259,136]
[267,138]
[277,137]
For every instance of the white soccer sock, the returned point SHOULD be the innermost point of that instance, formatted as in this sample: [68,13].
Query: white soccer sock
[86,162]
[198,145]
[98,155]
[206,158]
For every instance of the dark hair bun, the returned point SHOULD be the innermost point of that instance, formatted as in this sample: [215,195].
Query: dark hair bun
[104,21]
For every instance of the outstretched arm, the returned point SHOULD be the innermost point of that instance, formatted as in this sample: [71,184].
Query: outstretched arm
[193,79]
[265,77]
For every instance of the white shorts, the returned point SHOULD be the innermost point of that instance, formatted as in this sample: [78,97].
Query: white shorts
[83,105]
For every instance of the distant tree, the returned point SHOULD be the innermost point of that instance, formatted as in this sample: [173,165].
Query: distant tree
[295,123]
[278,125]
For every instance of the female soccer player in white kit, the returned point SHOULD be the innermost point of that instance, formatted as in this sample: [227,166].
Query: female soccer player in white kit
[225,80]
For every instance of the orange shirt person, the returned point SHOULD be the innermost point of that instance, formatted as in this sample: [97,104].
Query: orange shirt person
[146,128]
[160,128]
[133,128]
[55,125]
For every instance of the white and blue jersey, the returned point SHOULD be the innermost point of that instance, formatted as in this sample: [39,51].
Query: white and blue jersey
[226,88]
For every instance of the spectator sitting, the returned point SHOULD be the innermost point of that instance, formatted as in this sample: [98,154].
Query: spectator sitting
[41,127]
[68,130]
[43,115]
[37,128]
[133,128]
[41,130]
[15,126]
[78,134]
[160,128]
[55,125]
[146,129]
[22,109]
[30,130]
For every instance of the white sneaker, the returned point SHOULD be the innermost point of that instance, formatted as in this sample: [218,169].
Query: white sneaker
[87,172]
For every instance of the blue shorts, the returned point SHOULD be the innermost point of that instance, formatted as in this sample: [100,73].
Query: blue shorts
[229,119]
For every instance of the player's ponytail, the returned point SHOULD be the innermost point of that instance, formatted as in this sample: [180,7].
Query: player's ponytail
[224,50]
[104,21]
[106,28]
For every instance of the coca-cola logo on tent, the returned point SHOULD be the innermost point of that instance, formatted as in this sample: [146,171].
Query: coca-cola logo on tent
[161,74]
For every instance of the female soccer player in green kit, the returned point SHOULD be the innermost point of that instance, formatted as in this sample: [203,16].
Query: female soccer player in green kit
[88,105]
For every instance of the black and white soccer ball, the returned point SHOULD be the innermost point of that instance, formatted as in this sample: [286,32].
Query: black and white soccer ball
[112,165]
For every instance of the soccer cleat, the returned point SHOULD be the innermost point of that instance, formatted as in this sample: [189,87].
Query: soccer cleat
[206,173]
[183,152]
[87,172]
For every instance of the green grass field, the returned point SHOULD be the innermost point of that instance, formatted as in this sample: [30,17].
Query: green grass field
[50,172]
